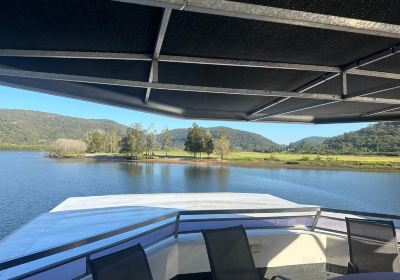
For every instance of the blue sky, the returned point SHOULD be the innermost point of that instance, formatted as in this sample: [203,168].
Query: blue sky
[11,98]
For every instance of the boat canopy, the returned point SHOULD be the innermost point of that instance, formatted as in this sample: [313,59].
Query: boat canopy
[246,60]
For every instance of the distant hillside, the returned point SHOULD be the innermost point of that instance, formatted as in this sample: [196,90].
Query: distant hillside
[239,139]
[32,128]
[312,140]
[23,127]
[382,137]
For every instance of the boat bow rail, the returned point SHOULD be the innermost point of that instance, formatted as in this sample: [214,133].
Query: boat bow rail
[46,264]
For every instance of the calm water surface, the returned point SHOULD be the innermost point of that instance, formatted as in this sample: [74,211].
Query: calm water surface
[31,184]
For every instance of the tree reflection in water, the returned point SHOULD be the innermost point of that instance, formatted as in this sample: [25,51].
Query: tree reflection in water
[133,168]
[206,178]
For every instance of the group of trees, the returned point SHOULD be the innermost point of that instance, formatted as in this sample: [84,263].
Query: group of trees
[135,142]
[200,140]
[138,142]
[99,141]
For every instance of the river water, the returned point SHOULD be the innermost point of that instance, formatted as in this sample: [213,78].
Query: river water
[31,184]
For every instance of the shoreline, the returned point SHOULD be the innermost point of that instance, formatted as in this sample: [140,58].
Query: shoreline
[231,163]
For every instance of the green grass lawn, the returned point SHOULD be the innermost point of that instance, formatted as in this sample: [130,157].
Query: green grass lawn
[286,159]
[12,147]
[287,156]
[352,161]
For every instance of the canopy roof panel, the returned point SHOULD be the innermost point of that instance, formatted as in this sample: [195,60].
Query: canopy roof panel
[293,61]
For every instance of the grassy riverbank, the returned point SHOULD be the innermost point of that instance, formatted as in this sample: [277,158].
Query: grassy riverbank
[272,160]
[12,147]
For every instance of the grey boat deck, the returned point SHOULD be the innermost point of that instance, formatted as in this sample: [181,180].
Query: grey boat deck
[81,217]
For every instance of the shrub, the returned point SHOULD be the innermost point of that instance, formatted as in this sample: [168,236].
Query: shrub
[64,147]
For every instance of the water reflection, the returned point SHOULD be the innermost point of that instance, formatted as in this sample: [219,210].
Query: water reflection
[132,168]
[165,171]
[206,178]
[223,177]
[149,169]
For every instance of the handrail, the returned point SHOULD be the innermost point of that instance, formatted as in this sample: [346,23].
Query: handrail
[361,213]
[81,242]
[244,218]
[243,211]
[86,254]
[78,243]
[178,214]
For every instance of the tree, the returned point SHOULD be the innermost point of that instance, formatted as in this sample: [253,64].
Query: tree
[134,141]
[194,140]
[111,142]
[151,140]
[208,142]
[95,141]
[222,145]
[166,141]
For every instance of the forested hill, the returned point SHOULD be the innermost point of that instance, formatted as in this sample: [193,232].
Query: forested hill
[382,137]
[312,140]
[239,139]
[23,127]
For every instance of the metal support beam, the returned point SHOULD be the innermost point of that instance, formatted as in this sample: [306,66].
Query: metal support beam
[97,95]
[306,87]
[270,115]
[374,100]
[248,63]
[162,31]
[350,69]
[267,106]
[329,70]
[373,58]
[384,110]
[152,79]
[167,58]
[324,78]
[377,90]
[157,49]
[330,119]
[357,97]
[343,84]
[376,74]
[277,15]
[75,55]
[6,71]
[354,118]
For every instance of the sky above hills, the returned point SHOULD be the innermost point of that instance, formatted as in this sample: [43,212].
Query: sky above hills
[11,98]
